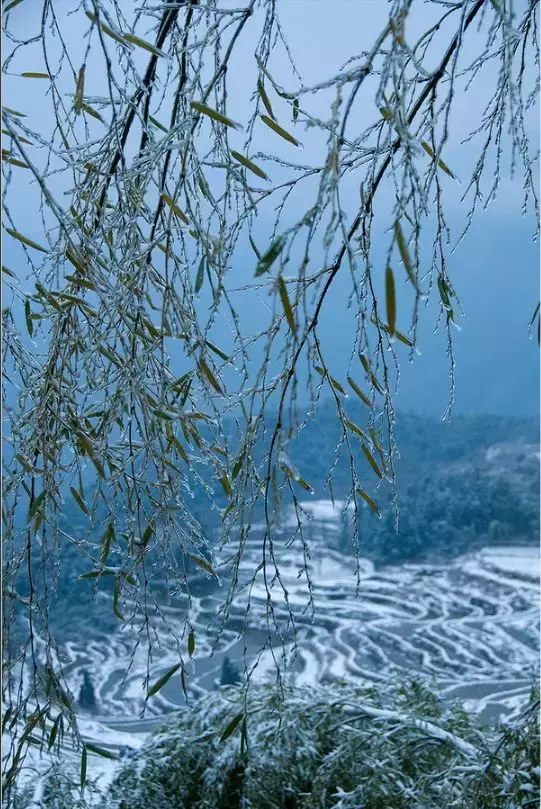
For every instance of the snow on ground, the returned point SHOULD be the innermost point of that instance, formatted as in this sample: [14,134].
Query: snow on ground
[523,561]
[471,625]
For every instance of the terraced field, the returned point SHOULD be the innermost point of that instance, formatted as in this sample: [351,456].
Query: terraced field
[471,626]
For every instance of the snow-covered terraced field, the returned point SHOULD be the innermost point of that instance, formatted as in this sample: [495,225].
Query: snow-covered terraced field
[471,626]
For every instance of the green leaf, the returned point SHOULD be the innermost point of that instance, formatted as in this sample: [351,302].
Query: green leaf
[100,751]
[237,466]
[176,210]
[370,458]
[226,486]
[28,317]
[157,123]
[83,766]
[217,351]
[359,393]
[268,259]
[249,165]
[54,732]
[116,596]
[6,158]
[264,97]
[25,239]
[279,130]
[368,500]
[91,111]
[191,643]
[35,505]
[286,304]
[11,111]
[79,500]
[404,254]
[390,299]
[10,6]
[354,429]
[231,726]
[163,679]
[93,574]
[31,75]
[80,91]
[142,43]
[445,292]
[398,334]
[210,376]
[428,149]
[371,376]
[200,276]
[106,30]
[204,564]
[295,109]
[148,532]
[306,486]
[216,116]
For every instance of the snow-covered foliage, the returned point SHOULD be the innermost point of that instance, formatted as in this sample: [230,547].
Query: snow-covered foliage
[340,747]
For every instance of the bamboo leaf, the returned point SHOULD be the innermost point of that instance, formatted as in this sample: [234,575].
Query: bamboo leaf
[94,113]
[354,429]
[10,6]
[359,393]
[159,684]
[79,500]
[390,297]
[231,726]
[268,259]
[237,466]
[80,91]
[25,240]
[191,643]
[157,124]
[14,161]
[279,130]
[404,254]
[264,98]
[226,486]
[100,751]
[398,334]
[216,116]
[28,317]
[14,112]
[428,149]
[370,458]
[210,376]
[204,564]
[106,30]
[83,766]
[141,43]
[148,533]
[217,351]
[35,505]
[368,500]
[23,140]
[31,75]
[286,304]
[306,486]
[176,210]
[200,276]
[249,165]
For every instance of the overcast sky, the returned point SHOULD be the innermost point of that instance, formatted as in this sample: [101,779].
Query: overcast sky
[495,269]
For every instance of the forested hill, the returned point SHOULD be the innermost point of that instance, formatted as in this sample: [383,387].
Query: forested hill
[460,485]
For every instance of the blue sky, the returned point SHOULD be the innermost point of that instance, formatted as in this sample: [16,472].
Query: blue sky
[495,269]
